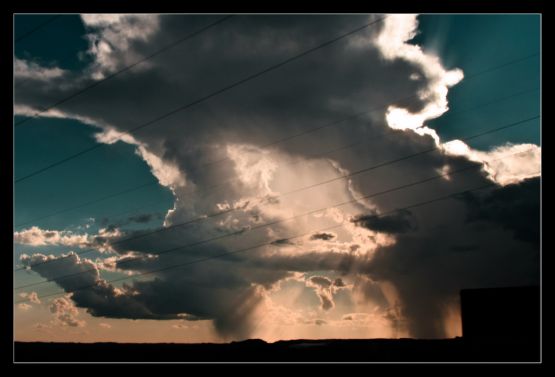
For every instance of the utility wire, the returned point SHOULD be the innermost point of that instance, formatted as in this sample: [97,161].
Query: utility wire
[36,28]
[240,232]
[357,172]
[255,246]
[124,69]
[204,98]
[94,201]
[513,62]
[382,106]
[448,114]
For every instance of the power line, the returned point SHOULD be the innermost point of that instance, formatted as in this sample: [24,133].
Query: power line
[364,170]
[456,112]
[451,113]
[125,69]
[106,197]
[491,102]
[360,171]
[136,209]
[209,189]
[513,62]
[256,246]
[352,201]
[206,97]
[36,28]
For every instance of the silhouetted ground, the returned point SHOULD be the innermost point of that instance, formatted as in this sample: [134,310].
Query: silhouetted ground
[495,329]
[374,350]
[496,312]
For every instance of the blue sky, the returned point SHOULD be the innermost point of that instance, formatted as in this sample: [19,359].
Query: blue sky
[475,43]
[472,43]
[42,141]
[58,43]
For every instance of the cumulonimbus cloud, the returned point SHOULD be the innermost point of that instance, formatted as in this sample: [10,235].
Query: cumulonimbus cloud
[220,155]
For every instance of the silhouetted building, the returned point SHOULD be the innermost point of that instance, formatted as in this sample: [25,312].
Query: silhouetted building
[501,314]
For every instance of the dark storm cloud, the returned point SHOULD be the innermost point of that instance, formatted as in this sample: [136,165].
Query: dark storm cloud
[515,207]
[330,84]
[142,218]
[326,302]
[81,277]
[464,248]
[145,218]
[190,293]
[51,267]
[325,289]
[371,291]
[230,52]
[400,222]
[308,261]
[428,274]
[322,236]
[282,242]
[320,281]
[339,283]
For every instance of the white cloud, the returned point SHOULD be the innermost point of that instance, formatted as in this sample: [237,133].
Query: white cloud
[24,69]
[101,19]
[65,313]
[31,297]
[325,288]
[393,44]
[167,173]
[506,164]
[398,30]
[29,111]
[111,36]
[254,166]
[23,306]
[111,136]
[36,236]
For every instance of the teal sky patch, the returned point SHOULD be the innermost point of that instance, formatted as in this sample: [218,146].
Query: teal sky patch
[61,43]
[476,43]
[41,141]
[472,43]
[106,171]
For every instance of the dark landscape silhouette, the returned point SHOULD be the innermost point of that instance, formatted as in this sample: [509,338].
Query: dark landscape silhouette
[499,325]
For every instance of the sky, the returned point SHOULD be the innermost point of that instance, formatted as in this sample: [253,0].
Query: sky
[351,192]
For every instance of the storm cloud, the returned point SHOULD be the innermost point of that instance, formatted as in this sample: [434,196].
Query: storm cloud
[229,141]
[322,236]
[396,223]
